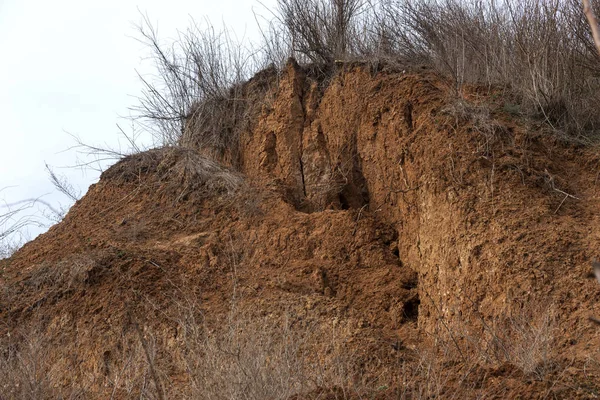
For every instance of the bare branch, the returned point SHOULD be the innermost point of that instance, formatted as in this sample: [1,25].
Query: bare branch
[62,184]
[195,99]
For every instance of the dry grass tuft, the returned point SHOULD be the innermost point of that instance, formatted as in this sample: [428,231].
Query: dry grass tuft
[258,359]
[177,170]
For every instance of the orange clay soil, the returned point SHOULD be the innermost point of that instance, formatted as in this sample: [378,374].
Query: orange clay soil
[446,242]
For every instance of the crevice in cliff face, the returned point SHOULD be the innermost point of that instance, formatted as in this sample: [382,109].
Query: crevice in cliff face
[302,175]
[300,82]
[410,309]
[355,193]
[344,204]
[363,197]
[309,97]
[408,116]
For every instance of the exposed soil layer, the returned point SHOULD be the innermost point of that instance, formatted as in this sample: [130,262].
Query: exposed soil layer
[422,227]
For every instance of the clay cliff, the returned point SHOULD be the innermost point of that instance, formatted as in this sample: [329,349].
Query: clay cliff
[373,233]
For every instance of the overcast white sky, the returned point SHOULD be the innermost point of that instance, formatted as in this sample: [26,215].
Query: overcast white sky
[69,66]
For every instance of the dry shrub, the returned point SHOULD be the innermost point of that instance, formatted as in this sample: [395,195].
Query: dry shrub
[23,374]
[526,340]
[195,173]
[214,125]
[51,280]
[198,97]
[26,372]
[16,218]
[477,118]
[260,358]
[321,31]
[461,357]
[133,374]
[242,358]
[33,368]
[199,79]
[178,171]
[431,375]
[541,50]
[8,246]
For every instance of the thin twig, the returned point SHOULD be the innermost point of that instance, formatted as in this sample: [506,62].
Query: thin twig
[405,190]
[358,219]
[561,203]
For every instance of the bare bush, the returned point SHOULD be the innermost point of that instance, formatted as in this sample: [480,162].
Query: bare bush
[276,46]
[196,95]
[534,339]
[26,370]
[321,31]
[539,49]
[460,354]
[199,174]
[23,372]
[261,359]
[17,217]
[238,357]
[479,120]
[524,339]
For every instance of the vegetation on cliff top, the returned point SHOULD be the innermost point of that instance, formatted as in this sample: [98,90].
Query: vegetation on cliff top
[539,53]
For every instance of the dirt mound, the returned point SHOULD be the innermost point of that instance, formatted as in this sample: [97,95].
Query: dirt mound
[380,237]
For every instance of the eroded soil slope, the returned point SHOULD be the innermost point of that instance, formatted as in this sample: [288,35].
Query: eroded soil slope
[432,245]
